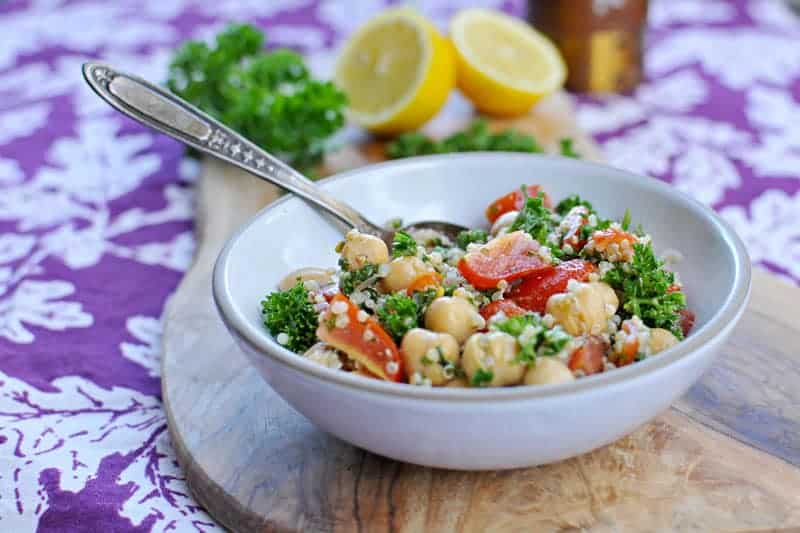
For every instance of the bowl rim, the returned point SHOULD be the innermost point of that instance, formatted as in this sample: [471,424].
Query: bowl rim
[717,328]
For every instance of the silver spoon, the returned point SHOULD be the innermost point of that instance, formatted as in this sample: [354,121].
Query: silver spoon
[164,112]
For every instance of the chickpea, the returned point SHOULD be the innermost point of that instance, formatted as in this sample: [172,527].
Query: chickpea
[494,353]
[660,340]
[548,370]
[403,271]
[585,308]
[425,354]
[319,275]
[455,316]
[361,248]
[503,222]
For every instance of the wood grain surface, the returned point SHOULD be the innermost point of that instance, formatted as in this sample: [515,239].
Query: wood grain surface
[724,458]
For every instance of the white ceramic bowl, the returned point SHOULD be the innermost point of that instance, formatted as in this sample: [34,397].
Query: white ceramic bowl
[476,429]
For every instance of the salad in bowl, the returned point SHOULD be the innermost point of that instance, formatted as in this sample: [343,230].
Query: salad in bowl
[545,293]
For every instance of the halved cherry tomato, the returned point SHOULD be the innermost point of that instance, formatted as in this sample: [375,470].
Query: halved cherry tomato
[534,291]
[508,257]
[507,307]
[513,201]
[375,350]
[686,321]
[630,347]
[423,282]
[589,357]
[605,237]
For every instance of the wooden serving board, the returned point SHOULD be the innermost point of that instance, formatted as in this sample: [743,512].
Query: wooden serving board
[726,457]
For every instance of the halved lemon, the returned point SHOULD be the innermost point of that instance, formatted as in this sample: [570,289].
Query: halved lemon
[504,65]
[397,71]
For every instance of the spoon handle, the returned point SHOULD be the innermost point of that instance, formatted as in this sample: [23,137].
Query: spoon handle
[168,114]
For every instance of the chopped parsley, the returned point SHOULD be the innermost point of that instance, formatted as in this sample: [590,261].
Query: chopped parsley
[423,299]
[398,314]
[533,337]
[534,219]
[290,312]
[403,245]
[349,281]
[468,236]
[565,205]
[643,286]
[425,360]
[482,378]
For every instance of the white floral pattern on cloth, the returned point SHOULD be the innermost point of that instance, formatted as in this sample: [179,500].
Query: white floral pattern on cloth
[93,208]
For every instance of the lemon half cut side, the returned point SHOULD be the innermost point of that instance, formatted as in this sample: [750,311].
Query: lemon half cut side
[504,65]
[397,71]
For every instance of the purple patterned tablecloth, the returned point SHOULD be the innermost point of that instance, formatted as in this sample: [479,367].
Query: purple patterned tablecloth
[96,215]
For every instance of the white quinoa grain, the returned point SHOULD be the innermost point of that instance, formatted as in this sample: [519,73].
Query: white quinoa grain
[342,321]
[362,316]
[282,338]
[368,335]
[338,307]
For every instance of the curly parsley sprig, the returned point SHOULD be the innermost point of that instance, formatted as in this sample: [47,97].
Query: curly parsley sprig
[269,97]
[398,314]
[644,286]
[290,312]
[403,245]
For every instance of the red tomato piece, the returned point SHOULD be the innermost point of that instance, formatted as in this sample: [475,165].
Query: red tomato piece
[589,357]
[513,201]
[508,307]
[630,347]
[686,321]
[534,291]
[673,288]
[376,351]
[508,257]
[605,237]
[423,282]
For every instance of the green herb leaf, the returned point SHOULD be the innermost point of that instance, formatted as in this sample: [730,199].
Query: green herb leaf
[626,220]
[482,378]
[565,205]
[292,313]
[567,148]
[468,236]
[644,289]
[533,337]
[403,244]
[349,281]
[398,314]
[423,299]
[534,219]
[270,98]
[476,137]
